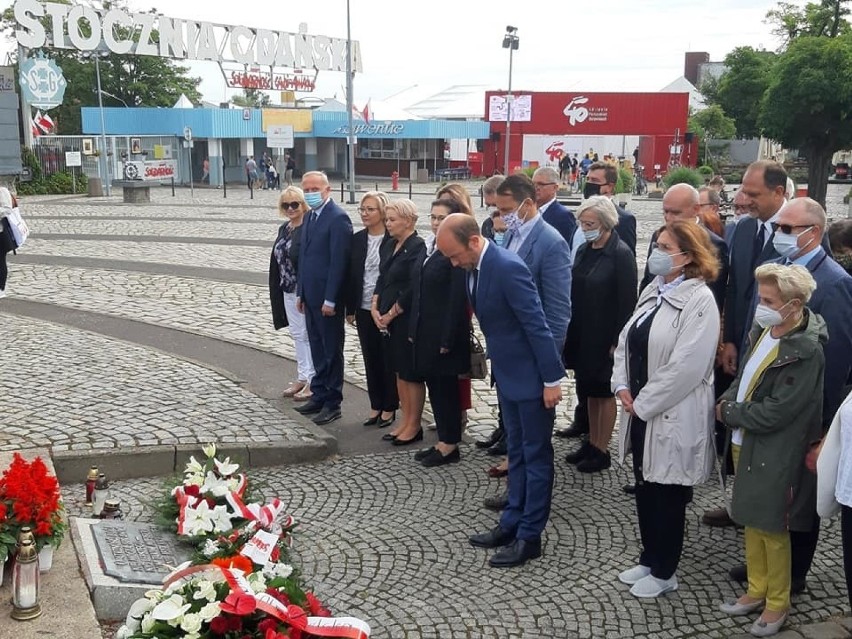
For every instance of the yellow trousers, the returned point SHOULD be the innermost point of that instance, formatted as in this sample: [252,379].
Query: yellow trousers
[768,560]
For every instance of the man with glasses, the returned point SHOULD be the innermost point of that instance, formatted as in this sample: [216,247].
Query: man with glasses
[323,262]
[546,183]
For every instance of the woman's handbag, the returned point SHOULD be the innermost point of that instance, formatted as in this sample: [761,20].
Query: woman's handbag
[827,466]
[20,230]
[478,363]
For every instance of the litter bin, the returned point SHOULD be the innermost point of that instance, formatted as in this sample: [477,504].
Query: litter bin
[422,176]
[96,187]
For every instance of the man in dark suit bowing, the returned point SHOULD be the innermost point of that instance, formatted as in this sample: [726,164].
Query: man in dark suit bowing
[546,183]
[324,257]
[527,364]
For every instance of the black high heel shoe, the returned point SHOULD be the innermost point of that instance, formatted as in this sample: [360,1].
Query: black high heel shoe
[384,423]
[372,421]
[387,437]
[405,442]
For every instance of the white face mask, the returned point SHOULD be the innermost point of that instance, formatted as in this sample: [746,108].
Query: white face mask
[660,262]
[767,317]
[592,235]
[788,245]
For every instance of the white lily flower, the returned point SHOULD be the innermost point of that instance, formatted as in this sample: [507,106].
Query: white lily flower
[221,519]
[215,486]
[148,624]
[156,595]
[194,479]
[193,466]
[137,611]
[209,450]
[197,520]
[233,483]
[226,468]
[272,570]
[210,611]
[170,609]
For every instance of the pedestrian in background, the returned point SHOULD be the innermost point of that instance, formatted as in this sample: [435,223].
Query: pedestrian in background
[7,240]
[774,408]
[363,275]
[663,377]
[283,277]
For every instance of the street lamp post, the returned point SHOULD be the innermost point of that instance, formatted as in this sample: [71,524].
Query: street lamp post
[103,163]
[349,107]
[510,42]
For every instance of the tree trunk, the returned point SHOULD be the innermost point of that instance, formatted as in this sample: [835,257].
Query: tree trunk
[819,163]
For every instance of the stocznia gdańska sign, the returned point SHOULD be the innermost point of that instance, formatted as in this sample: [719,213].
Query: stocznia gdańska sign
[122,33]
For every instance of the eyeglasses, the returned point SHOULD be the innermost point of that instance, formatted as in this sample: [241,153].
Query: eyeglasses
[367,209]
[290,205]
[787,229]
[540,185]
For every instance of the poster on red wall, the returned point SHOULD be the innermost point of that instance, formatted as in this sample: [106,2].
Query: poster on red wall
[584,113]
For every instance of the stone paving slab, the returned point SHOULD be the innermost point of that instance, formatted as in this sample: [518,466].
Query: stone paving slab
[84,392]
[385,539]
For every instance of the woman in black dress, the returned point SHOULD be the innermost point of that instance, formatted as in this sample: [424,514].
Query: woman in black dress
[439,329]
[603,295]
[390,312]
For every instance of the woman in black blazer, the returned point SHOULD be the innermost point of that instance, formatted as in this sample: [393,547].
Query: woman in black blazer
[439,329]
[363,274]
[283,271]
[603,296]
[390,311]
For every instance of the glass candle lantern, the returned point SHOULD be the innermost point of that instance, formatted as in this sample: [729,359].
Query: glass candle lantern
[25,584]
[100,495]
[91,480]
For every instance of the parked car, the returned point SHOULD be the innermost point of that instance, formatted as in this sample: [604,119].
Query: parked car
[841,171]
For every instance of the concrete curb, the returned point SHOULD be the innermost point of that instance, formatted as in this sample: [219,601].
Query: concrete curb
[152,461]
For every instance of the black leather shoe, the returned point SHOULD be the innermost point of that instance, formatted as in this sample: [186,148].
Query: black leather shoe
[497,502]
[629,489]
[572,431]
[498,449]
[384,423]
[580,454]
[420,455]
[437,458]
[492,439]
[494,538]
[372,421]
[327,415]
[405,442]
[516,554]
[311,408]
[739,573]
[387,437]
[596,461]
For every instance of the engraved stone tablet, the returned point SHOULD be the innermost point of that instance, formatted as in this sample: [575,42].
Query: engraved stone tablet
[137,553]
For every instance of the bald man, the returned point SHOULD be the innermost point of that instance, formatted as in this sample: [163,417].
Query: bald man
[528,369]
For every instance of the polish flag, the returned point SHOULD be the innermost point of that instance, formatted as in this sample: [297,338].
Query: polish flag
[46,123]
[367,113]
[34,124]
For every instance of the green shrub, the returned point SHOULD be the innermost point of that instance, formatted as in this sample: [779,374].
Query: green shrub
[529,171]
[706,170]
[683,175]
[625,181]
[30,159]
[56,184]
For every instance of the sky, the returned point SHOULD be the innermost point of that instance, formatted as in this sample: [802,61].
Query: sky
[615,45]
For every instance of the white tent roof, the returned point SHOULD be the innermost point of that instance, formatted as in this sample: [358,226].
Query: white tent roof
[682,85]
[183,103]
[465,101]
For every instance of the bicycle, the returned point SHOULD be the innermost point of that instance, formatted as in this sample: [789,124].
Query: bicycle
[640,186]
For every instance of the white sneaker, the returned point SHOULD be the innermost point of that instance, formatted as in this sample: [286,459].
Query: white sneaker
[632,575]
[650,587]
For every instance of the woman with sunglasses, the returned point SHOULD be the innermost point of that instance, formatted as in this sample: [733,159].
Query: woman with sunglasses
[283,271]
[363,274]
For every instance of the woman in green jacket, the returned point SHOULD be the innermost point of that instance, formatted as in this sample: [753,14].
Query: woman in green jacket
[774,408]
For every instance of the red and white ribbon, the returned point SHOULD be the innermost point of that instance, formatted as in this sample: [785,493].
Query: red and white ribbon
[265,516]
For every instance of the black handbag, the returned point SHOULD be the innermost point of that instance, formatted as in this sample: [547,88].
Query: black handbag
[478,362]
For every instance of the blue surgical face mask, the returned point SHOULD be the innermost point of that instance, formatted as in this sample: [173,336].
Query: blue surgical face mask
[788,245]
[660,262]
[314,199]
[592,235]
[498,238]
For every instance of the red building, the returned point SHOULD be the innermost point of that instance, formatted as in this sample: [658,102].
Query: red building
[546,125]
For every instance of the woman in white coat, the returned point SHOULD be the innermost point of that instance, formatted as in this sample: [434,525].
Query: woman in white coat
[663,377]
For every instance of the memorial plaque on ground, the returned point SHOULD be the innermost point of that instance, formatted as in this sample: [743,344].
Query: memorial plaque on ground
[137,553]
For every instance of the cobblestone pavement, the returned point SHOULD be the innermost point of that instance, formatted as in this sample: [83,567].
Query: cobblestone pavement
[384,539]
[72,390]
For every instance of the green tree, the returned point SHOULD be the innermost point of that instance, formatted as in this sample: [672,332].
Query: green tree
[711,123]
[827,18]
[742,87]
[252,98]
[131,80]
[808,104]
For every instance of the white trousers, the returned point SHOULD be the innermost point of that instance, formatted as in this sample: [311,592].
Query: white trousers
[299,332]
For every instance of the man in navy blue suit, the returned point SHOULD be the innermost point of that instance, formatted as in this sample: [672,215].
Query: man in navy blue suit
[527,365]
[324,257]
[546,183]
